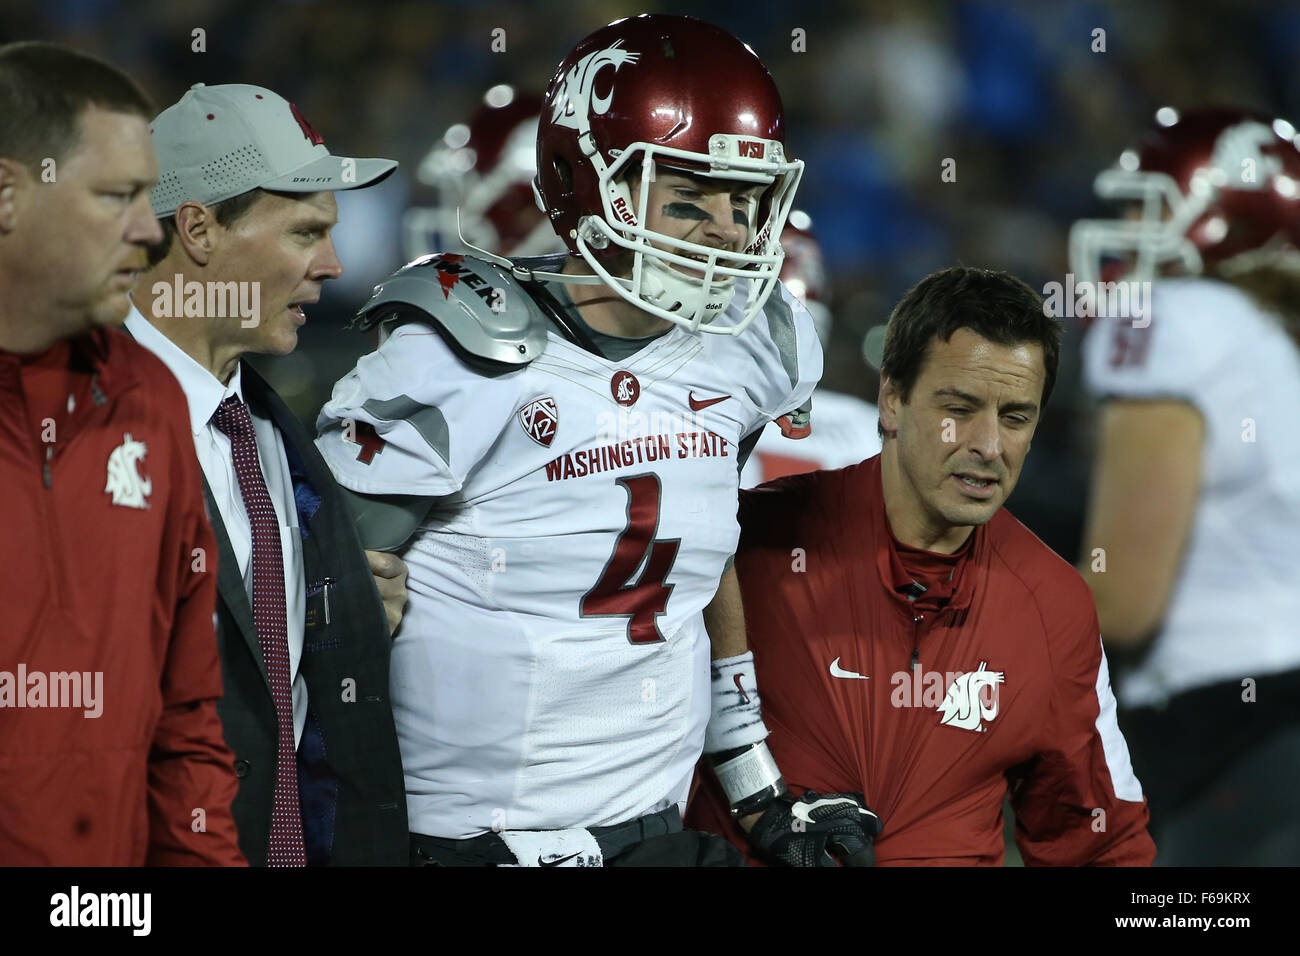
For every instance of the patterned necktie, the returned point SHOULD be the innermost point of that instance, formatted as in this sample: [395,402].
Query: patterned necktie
[270,620]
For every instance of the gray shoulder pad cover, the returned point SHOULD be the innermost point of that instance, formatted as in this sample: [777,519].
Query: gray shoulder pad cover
[479,304]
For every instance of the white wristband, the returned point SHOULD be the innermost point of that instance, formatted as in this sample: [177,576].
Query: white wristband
[735,718]
[748,773]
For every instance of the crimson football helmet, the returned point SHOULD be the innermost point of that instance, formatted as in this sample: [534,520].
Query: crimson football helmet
[1219,189]
[669,92]
[482,171]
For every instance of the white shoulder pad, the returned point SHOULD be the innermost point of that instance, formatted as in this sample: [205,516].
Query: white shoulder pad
[1192,327]
[782,342]
[483,310]
[412,418]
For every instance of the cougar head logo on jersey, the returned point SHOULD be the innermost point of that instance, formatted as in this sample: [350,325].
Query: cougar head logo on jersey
[625,388]
[964,704]
[575,102]
[125,483]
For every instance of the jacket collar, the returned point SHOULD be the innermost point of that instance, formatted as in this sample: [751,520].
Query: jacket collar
[98,353]
[890,566]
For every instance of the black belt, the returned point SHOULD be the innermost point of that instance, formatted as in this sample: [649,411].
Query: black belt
[488,849]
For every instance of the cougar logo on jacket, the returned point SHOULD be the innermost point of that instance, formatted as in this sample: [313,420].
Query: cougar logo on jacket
[128,487]
[575,103]
[964,705]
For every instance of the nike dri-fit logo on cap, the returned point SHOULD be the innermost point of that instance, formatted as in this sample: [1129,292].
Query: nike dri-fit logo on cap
[696,404]
[837,671]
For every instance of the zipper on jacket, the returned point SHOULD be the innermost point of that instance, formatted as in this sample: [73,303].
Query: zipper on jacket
[916,640]
[49,521]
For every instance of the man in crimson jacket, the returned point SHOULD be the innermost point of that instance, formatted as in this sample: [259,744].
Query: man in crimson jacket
[914,642]
[111,750]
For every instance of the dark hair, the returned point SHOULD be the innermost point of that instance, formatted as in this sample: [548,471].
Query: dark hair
[226,212]
[45,88]
[995,305]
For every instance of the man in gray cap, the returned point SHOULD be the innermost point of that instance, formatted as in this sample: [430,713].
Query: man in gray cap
[246,199]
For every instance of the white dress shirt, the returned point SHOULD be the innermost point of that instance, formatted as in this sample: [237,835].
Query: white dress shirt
[204,392]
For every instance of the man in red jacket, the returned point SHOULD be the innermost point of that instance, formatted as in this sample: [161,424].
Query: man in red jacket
[914,642]
[111,751]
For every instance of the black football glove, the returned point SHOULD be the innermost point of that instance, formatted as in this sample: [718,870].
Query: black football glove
[808,830]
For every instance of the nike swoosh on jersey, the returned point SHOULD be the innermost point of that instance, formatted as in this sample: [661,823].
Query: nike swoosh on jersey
[555,862]
[696,404]
[804,810]
[837,671]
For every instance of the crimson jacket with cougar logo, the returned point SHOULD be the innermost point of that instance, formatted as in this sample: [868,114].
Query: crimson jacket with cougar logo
[1009,691]
[111,750]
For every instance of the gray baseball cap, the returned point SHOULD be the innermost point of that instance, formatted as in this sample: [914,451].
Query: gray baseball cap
[220,141]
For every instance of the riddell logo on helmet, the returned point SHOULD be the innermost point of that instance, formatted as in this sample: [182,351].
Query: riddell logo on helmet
[620,207]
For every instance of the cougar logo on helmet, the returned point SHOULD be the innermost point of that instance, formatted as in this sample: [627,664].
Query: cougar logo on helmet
[575,103]
[1238,153]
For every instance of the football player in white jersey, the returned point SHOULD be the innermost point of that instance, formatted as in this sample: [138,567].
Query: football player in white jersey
[1194,518]
[554,446]
[846,425]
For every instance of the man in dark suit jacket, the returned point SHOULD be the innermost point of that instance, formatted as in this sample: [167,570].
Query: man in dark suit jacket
[246,199]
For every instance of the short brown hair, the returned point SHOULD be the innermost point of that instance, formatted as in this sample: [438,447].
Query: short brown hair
[226,213]
[995,305]
[44,89]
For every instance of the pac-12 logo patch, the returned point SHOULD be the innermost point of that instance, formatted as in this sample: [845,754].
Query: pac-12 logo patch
[540,419]
[625,388]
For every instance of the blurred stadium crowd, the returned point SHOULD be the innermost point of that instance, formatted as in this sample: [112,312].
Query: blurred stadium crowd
[878,95]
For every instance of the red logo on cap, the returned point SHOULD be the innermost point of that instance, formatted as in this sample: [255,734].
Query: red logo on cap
[311,134]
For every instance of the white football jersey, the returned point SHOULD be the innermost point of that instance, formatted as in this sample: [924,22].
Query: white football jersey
[1235,603]
[552,668]
[845,435]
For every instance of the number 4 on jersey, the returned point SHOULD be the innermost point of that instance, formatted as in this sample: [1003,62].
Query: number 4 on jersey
[614,595]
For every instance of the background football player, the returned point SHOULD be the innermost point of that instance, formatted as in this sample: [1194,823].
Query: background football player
[480,175]
[554,445]
[846,425]
[1195,509]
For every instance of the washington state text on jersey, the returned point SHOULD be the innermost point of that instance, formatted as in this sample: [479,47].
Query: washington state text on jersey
[635,451]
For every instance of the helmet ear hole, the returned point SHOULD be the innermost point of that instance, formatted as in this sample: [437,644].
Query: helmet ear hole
[565,172]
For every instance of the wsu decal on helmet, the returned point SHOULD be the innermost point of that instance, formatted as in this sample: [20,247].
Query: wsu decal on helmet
[1238,152]
[575,103]
[125,483]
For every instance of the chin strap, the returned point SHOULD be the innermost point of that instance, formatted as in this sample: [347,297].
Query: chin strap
[523,273]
